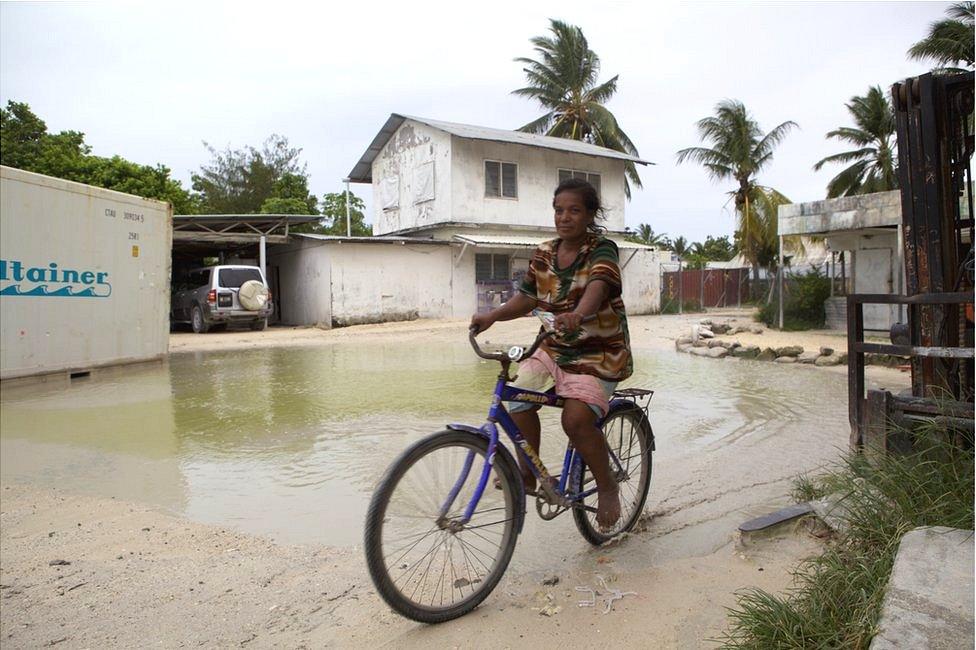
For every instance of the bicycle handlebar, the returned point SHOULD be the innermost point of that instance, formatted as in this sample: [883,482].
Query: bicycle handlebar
[525,354]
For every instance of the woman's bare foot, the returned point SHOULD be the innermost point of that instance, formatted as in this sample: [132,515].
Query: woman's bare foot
[608,508]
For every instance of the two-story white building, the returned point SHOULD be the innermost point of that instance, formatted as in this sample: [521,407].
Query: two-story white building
[457,212]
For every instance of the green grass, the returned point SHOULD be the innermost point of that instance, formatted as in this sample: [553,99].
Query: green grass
[837,597]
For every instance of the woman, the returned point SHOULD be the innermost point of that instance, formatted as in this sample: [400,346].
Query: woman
[574,276]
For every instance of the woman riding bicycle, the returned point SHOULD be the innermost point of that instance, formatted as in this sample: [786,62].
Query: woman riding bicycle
[574,276]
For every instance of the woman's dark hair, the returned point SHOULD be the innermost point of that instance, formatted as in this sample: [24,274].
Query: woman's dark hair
[591,200]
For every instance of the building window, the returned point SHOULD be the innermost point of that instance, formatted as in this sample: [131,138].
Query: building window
[501,179]
[592,179]
[489,268]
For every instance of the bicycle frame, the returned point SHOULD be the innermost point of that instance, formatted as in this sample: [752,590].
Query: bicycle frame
[498,415]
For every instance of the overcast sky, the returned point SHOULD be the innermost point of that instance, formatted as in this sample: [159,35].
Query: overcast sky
[150,82]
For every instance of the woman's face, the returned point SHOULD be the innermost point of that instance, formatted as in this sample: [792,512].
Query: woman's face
[570,215]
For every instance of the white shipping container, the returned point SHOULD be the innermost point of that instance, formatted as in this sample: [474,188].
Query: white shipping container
[84,276]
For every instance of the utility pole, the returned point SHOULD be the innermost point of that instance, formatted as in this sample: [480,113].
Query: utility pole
[348,219]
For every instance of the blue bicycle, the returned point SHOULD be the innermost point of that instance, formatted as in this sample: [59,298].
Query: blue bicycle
[443,522]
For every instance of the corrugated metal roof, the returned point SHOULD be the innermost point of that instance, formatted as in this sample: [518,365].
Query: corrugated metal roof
[362,172]
[370,240]
[512,241]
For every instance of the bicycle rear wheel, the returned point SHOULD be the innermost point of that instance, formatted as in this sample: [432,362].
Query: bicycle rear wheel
[421,566]
[628,436]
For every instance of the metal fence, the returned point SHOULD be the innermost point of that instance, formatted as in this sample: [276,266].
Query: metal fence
[699,289]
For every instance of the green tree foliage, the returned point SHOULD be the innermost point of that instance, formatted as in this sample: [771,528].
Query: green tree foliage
[26,144]
[646,235]
[241,181]
[950,41]
[873,158]
[680,247]
[290,195]
[333,220]
[713,249]
[739,151]
[564,80]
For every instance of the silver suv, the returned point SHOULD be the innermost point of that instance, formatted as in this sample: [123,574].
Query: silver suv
[222,295]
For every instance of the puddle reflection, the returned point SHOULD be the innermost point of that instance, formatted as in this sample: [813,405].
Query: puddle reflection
[289,442]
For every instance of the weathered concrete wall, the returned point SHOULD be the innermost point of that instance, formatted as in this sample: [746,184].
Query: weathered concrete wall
[334,282]
[464,294]
[304,279]
[641,277]
[412,148]
[386,282]
[538,176]
[847,213]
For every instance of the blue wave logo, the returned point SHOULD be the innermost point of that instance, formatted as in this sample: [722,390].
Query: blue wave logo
[63,292]
[52,281]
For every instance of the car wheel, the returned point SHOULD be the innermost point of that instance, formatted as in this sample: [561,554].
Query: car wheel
[196,320]
[259,325]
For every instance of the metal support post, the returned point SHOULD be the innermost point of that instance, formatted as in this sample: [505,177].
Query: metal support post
[681,287]
[779,274]
[348,219]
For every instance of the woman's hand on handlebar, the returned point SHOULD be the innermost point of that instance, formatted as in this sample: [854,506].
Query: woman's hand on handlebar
[481,322]
[568,321]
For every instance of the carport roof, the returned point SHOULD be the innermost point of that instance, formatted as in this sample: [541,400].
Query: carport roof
[237,228]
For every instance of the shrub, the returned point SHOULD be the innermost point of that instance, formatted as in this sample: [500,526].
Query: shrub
[803,304]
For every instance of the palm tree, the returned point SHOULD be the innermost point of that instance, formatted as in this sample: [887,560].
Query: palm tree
[680,247]
[739,151]
[874,158]
[564,82]
[645,235]
[949,40]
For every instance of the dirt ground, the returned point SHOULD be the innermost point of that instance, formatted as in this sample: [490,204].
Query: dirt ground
[84,572]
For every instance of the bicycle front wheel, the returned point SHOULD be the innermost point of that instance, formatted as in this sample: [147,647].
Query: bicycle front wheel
[425,565]
[628,436]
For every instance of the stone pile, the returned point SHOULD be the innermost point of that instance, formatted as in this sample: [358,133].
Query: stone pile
[702,342]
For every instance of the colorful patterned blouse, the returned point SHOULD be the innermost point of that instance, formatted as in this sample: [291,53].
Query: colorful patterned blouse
[602,348]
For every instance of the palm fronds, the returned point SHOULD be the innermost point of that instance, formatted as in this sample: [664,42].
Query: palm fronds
[950,41]
[873,168]
[739,150]
[563,78]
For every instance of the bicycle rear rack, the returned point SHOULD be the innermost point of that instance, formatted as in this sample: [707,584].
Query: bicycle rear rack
[640,397]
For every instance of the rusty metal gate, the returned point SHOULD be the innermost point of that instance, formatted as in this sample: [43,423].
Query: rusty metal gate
[704,288]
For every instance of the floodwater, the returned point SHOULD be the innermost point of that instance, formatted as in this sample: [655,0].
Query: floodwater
[289,442]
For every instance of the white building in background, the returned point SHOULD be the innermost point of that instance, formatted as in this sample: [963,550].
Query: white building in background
[458,211]
[866,229]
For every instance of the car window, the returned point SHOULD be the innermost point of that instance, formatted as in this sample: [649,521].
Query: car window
[198,279]
[234,278]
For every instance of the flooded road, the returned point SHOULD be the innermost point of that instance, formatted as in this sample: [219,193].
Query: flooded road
[288,442]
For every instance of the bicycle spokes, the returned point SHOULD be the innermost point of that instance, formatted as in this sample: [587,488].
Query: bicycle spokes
[434,557]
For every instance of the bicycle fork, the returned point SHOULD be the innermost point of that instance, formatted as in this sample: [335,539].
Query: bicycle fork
[455,525]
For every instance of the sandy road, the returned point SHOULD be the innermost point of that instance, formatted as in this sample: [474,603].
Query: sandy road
[79,571]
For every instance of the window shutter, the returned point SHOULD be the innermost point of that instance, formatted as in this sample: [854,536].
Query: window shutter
[482,267]
[492,179]
[500,269]
[509,180]
[594,180]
